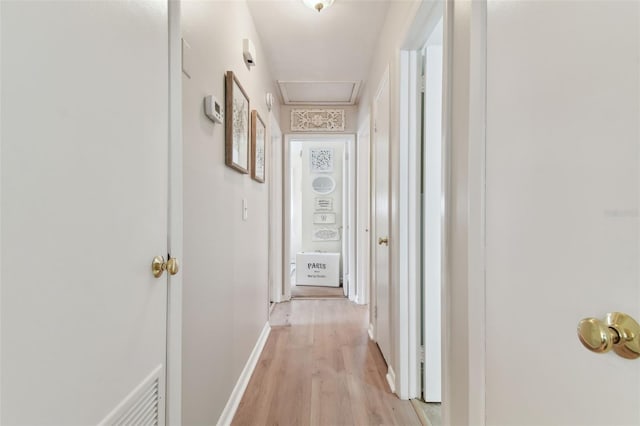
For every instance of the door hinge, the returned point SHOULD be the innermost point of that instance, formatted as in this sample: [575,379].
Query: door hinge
[422,355]
[423,85]
[375,312]
[375,126]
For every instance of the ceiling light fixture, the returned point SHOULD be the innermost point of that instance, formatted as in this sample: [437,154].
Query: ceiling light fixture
[318,5]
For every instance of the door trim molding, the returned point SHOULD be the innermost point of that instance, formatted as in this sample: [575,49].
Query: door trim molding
[363,211]
[173,387]
[276,218]
[286,194]
[409,224]
[410,198]
[464,163]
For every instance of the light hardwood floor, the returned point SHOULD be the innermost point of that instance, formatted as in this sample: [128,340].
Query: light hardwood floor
[319,367]
[316,291]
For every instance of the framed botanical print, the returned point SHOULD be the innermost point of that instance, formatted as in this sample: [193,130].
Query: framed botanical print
[258,147]
[237,130]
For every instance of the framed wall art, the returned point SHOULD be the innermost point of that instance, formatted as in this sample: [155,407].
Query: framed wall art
[237,132]
[258,147]
[321,160]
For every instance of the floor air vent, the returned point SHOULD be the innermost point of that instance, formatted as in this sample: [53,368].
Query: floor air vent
[143,407]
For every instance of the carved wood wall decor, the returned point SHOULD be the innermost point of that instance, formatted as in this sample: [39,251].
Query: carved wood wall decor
[317,120]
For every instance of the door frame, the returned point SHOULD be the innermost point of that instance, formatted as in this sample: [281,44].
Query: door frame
[463,223]
[276,216]
[464,165]
[363,211]
[173,386]
[349,138]
[410,199]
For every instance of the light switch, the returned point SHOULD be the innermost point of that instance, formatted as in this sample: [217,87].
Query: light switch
[245,209]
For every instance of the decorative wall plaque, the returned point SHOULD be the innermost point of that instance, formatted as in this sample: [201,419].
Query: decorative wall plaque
[325,218]
[323,184]
[324,204]
[317,120]
[326,234]
[321,160]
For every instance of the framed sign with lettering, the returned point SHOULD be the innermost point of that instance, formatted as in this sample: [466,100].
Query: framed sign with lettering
[323,204]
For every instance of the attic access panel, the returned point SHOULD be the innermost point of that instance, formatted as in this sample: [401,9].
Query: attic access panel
[319,92]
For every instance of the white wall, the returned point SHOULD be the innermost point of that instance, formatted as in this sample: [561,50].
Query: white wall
[225,258]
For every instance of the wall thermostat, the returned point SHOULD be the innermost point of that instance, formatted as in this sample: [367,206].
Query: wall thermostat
[213,109]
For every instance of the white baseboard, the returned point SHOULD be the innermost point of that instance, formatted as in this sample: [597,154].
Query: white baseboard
[371,334]
[391,379]
[241,385]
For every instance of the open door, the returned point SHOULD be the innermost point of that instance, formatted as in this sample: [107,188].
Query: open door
[84,211]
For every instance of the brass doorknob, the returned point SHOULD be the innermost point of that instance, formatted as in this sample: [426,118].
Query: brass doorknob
[384,241]
[618,331]
[158,266]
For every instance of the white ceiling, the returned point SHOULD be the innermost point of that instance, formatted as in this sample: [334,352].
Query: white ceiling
[317,48]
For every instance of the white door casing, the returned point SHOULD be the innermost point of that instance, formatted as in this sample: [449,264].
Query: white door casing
[432,223]
[562,199]
[381,219]
[363,194]
[346,258]
[349,269]
[276,203]
[352,196]
[84,206]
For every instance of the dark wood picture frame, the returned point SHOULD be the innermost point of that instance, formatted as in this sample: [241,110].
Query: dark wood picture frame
[258,147]
[237,125]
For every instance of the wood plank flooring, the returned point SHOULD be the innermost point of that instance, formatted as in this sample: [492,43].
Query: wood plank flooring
[316,291]
[319,367]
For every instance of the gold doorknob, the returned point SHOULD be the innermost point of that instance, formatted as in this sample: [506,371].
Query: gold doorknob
[158,266]
[618,331]
[384,241]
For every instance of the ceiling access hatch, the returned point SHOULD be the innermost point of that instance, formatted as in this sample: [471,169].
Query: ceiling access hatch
[319,92]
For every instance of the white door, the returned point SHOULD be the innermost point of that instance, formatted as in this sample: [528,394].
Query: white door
[84,209]
[381,268]
[562,224]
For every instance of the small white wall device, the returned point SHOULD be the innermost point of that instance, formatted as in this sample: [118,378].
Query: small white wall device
[249,52]
[213,109]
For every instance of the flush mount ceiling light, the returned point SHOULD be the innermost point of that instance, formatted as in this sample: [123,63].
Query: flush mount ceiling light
[318,5]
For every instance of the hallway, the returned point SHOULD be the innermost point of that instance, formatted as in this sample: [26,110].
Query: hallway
[320,368]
